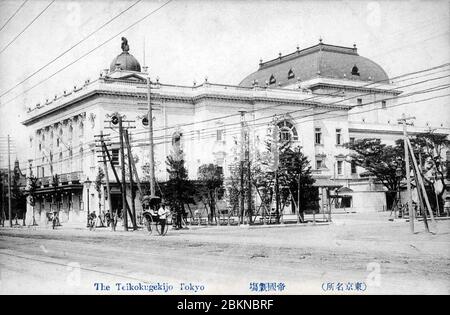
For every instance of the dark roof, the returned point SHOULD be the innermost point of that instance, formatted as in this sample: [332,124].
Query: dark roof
[321,60]
[125,61]
[325,182]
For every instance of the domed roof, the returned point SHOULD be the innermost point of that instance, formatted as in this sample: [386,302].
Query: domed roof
[321,60]
[125,61]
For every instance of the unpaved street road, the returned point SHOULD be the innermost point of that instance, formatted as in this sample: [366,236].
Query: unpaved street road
[225,260]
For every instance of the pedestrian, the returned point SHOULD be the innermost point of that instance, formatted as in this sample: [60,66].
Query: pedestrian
[447,205]
[162,213]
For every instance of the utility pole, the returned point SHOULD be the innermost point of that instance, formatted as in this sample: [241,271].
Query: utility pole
[122,156]
[276,156]
[298,195]
[130,170]
[241,208]
[420,182]
[421,203]
[9,182]
[150,136]
[108,188]
[403,121]
[249,179]
[3,199]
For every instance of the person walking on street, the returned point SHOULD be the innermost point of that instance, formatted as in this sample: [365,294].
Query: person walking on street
[162,213]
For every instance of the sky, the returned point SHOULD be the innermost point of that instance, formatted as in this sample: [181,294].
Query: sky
[222,40]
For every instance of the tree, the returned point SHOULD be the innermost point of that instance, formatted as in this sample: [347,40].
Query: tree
[428,149]
[233,185]
[294,165]
[379,160]
[31,190]
[290,163]
[17,195]
[210,178]
[178,190]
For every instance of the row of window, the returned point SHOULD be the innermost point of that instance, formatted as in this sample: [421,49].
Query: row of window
[359,102]
[59,137]
[291,74]
[339,166]
[319,140]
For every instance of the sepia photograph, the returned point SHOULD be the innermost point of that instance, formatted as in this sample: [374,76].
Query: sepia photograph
[227,147]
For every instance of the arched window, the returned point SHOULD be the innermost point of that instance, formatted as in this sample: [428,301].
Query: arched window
[291,74]
[355,70]
[177,145]
[287,131]
[272,80]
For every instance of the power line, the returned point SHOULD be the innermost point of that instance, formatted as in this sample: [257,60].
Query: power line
[69,49]
[266,117]
[307,99]
[14,14]
[89,52]
[167,139]
[26,27]
[81,145]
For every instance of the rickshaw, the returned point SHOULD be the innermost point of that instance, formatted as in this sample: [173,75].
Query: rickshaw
[150,215]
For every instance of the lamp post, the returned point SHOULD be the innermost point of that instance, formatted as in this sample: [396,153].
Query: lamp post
[87,184]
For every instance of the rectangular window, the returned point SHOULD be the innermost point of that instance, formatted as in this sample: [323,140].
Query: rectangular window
[318,137]
[352,139]
[319,164]
[383,104]
[359,101]
[339,167]
[338,136]
[219,134]
[353,167]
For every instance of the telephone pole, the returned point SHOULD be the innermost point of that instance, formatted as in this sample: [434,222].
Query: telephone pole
[276,158]
[241,208]
[298,192]
[249,179]
[403,121]
[150,136]
[130,170]
[108,189]
[122,157]
[9,182]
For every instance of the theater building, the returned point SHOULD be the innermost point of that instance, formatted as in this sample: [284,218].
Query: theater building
[312,95]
